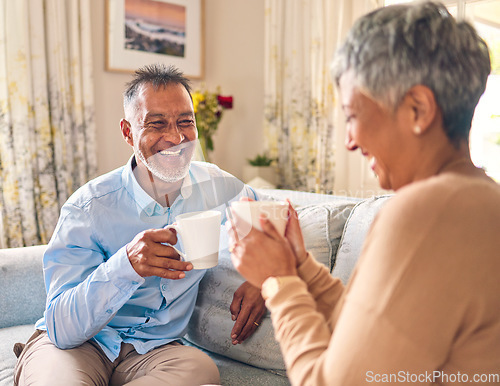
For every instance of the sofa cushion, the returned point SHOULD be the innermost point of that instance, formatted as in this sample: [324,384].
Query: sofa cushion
[8,337]
[322,226]
[353,237]
[233,372]
[211,323]
[21,283]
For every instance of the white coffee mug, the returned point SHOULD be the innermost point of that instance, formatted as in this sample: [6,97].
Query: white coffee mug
[200,233]
[250,211]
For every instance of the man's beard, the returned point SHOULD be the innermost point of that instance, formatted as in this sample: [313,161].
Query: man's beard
[170,167]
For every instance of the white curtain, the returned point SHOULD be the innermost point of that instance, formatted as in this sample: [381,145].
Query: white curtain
[47,131]
[301,38]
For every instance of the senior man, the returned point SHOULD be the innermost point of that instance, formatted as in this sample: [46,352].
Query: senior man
[118,296]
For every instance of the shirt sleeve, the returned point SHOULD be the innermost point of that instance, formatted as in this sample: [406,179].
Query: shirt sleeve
[85,288]
[248,191]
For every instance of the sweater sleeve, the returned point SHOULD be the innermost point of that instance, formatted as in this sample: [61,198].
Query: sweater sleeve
[325,290]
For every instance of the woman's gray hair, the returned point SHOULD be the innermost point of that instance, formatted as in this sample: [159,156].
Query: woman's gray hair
[397,47]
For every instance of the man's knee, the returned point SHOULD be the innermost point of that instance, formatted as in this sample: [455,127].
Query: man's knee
[198,366]
[41,361]
[205,366]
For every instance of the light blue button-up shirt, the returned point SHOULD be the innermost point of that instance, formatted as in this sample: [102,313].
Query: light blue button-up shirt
[92,290]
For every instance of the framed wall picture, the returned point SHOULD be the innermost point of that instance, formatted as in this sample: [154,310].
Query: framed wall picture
[141,32]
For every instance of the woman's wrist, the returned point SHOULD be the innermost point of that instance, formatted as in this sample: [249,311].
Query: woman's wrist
[302,258]
[273,284]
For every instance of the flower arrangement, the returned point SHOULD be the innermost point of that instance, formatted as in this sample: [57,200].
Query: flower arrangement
[208,109]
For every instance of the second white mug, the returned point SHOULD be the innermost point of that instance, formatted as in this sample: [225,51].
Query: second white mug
[250,212]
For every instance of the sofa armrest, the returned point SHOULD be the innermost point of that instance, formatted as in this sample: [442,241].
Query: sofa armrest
[22,289]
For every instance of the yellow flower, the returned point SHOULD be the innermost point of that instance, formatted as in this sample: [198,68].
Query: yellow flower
[208,108]
[197,98]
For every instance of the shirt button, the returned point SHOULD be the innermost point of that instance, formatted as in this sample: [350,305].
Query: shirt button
[116,347]
[164,287]
[109,311]
[134,283]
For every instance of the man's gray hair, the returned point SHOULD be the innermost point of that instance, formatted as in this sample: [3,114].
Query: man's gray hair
[397,47]
[158,75]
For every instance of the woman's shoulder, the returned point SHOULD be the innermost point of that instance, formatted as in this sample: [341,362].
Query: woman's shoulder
[443,193]
[443,223]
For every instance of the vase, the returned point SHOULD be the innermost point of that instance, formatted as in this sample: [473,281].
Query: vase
[265,173]
[204,141]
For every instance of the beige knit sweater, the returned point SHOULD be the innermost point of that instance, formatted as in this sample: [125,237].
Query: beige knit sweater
[422,305]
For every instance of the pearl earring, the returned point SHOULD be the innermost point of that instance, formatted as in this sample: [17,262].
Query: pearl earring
[417,130]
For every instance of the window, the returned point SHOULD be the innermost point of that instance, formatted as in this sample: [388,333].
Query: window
[485,132]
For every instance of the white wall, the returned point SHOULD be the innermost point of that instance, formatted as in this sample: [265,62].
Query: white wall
[234,60]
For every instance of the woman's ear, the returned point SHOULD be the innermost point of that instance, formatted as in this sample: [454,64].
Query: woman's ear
[126,132]
[424,107]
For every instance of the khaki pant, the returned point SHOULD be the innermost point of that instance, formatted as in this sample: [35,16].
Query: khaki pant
[42,363]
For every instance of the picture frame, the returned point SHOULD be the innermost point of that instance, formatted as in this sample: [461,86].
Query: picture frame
[142,32]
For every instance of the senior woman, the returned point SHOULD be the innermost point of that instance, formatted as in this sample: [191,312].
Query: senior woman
[423,304]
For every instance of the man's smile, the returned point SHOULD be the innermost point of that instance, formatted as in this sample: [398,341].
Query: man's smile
[169,152]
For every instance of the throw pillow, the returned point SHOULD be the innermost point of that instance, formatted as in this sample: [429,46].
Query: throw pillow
[353,237]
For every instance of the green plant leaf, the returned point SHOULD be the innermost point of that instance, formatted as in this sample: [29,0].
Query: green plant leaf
[210,143]
[260,160]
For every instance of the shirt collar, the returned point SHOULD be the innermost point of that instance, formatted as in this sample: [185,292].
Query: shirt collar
[146,203]
[187,186]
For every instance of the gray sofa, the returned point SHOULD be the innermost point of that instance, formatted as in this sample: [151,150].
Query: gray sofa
[334,229]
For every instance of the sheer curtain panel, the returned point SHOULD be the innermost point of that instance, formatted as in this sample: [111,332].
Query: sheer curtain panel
[301,36]
[301,118]
[47,130]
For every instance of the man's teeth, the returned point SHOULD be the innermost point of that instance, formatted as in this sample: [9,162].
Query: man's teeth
[170,152]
